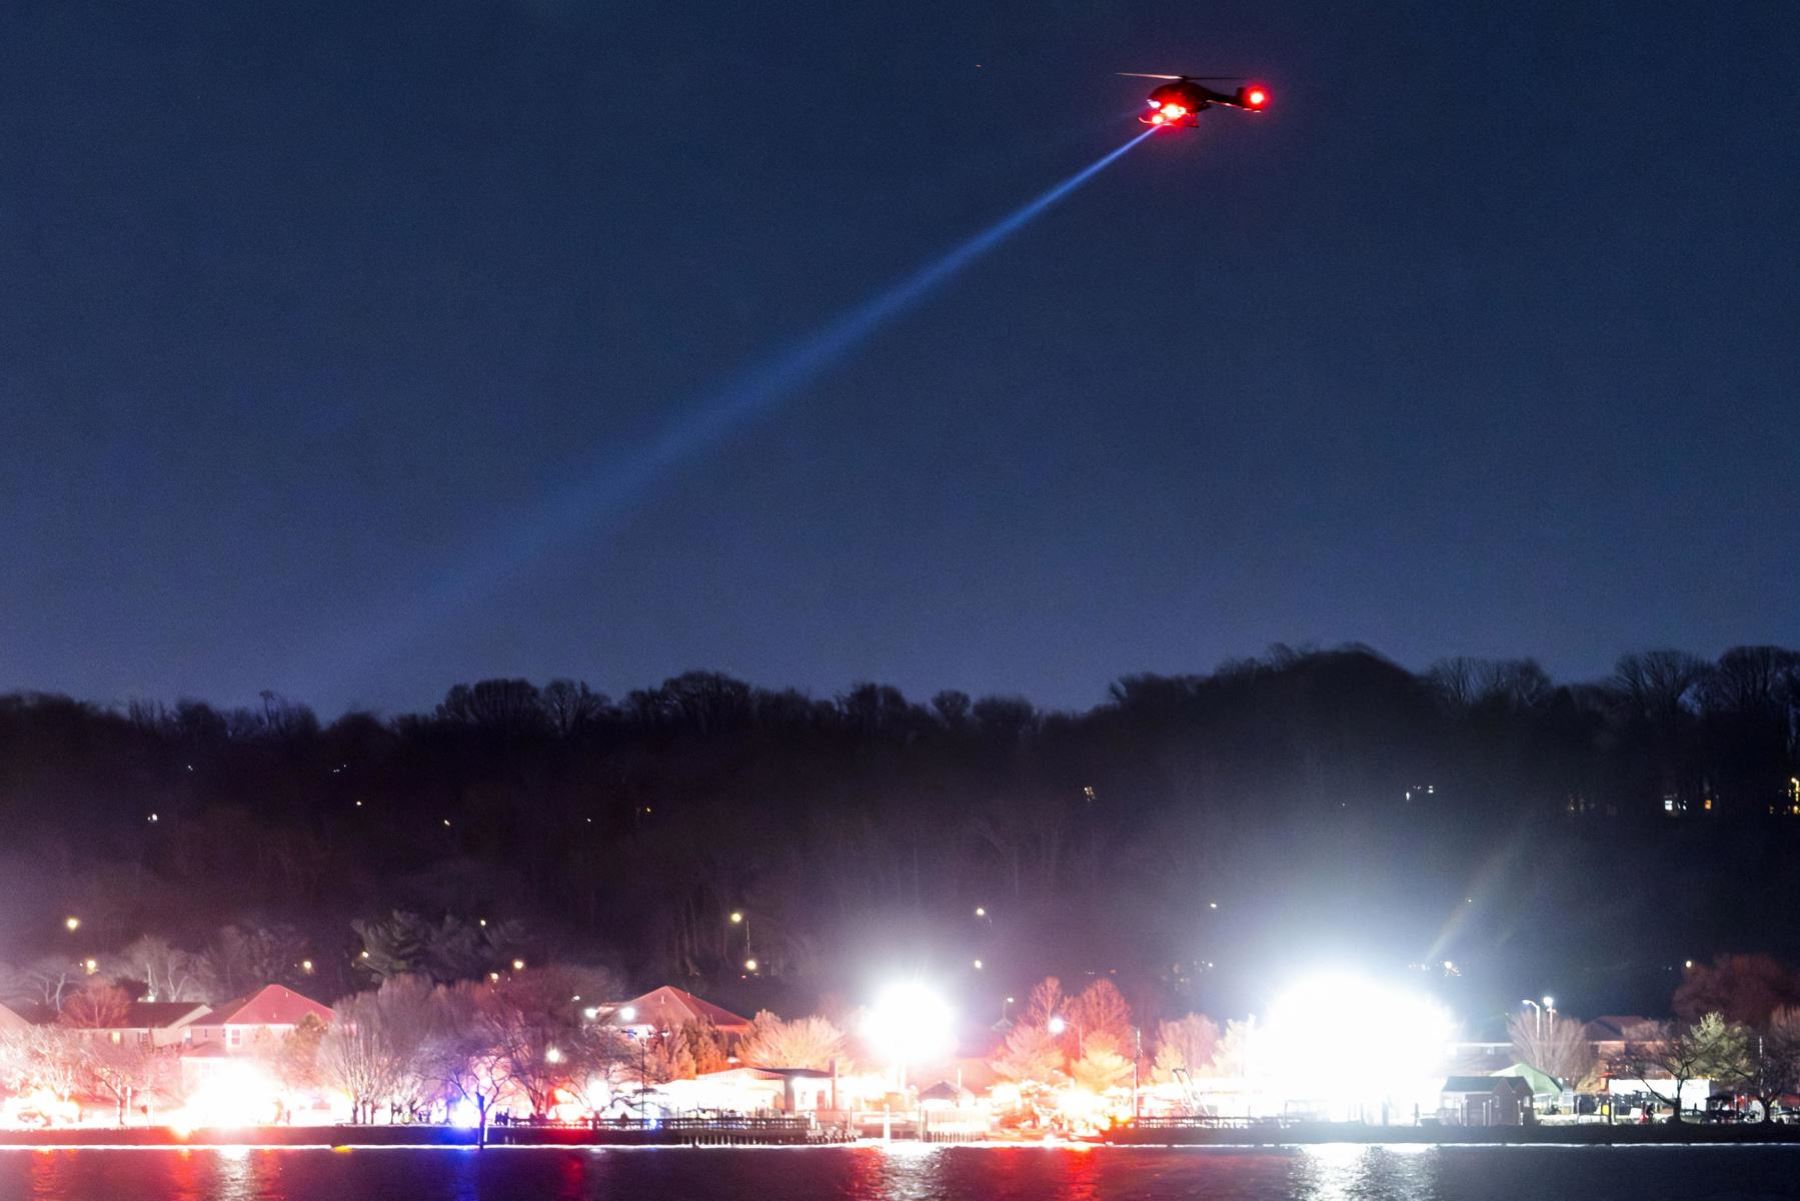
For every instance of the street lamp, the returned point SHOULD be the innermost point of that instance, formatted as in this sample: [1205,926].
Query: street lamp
[1540,1013]
[71,924]
[1550,1013]
[1056,1025]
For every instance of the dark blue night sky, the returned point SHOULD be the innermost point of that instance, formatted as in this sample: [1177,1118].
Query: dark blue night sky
[323,328]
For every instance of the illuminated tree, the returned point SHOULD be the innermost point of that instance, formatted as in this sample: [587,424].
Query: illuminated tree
[1100,1011]
[809,1042]
[1103,1064]
[47,1058]
[1186,1044]
[1030,1055]
[1044,1002]
[701,1049]
[98,1004]
[1231,1055]
[294,1060]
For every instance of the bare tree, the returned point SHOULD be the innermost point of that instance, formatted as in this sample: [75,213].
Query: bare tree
[1774,1060]
[357,1055]
[1710,1049]
[46,981]
[1554,1044]
[570,707]
[168,972]
[242,958]
[467,1059]
[122,1071]
[533,1020]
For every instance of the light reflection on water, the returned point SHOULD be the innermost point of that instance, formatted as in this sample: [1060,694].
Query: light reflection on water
[903,1172]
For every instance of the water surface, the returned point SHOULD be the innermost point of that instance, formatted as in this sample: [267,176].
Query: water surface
[908,1173]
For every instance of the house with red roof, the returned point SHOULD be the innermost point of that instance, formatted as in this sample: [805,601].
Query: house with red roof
[268,1015]
[668,1008]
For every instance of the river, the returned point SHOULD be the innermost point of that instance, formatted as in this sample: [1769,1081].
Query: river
[907,1173]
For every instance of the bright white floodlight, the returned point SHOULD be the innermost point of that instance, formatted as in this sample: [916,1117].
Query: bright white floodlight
[910,1023]
[1353,1044]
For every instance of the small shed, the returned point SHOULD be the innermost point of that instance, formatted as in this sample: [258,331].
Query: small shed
[945,1094]
[1485,1101]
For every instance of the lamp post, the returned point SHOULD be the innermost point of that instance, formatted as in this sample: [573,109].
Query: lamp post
[1137,1055]
[1550,1014]
[740,918]
[1540,1014]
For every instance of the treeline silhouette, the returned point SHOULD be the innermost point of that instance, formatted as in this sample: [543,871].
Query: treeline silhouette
[1186,837]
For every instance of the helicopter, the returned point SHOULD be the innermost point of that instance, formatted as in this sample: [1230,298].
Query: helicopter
[1179,101]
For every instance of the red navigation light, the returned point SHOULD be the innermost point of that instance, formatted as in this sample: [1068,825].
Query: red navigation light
[1174,111]
[1157,118]
[1256,98]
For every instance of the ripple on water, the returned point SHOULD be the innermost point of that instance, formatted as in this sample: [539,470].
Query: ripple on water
[905,1173]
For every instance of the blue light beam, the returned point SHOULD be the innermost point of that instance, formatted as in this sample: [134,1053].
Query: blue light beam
[609,481]
[793,370]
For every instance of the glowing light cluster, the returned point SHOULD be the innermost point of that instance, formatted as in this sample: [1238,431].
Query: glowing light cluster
[910,1023]
[239,1093]
[1352,1043]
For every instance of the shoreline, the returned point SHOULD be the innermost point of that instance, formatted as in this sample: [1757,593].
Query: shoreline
[338,1138]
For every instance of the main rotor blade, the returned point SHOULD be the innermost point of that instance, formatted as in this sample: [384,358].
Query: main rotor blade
[1196,78]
